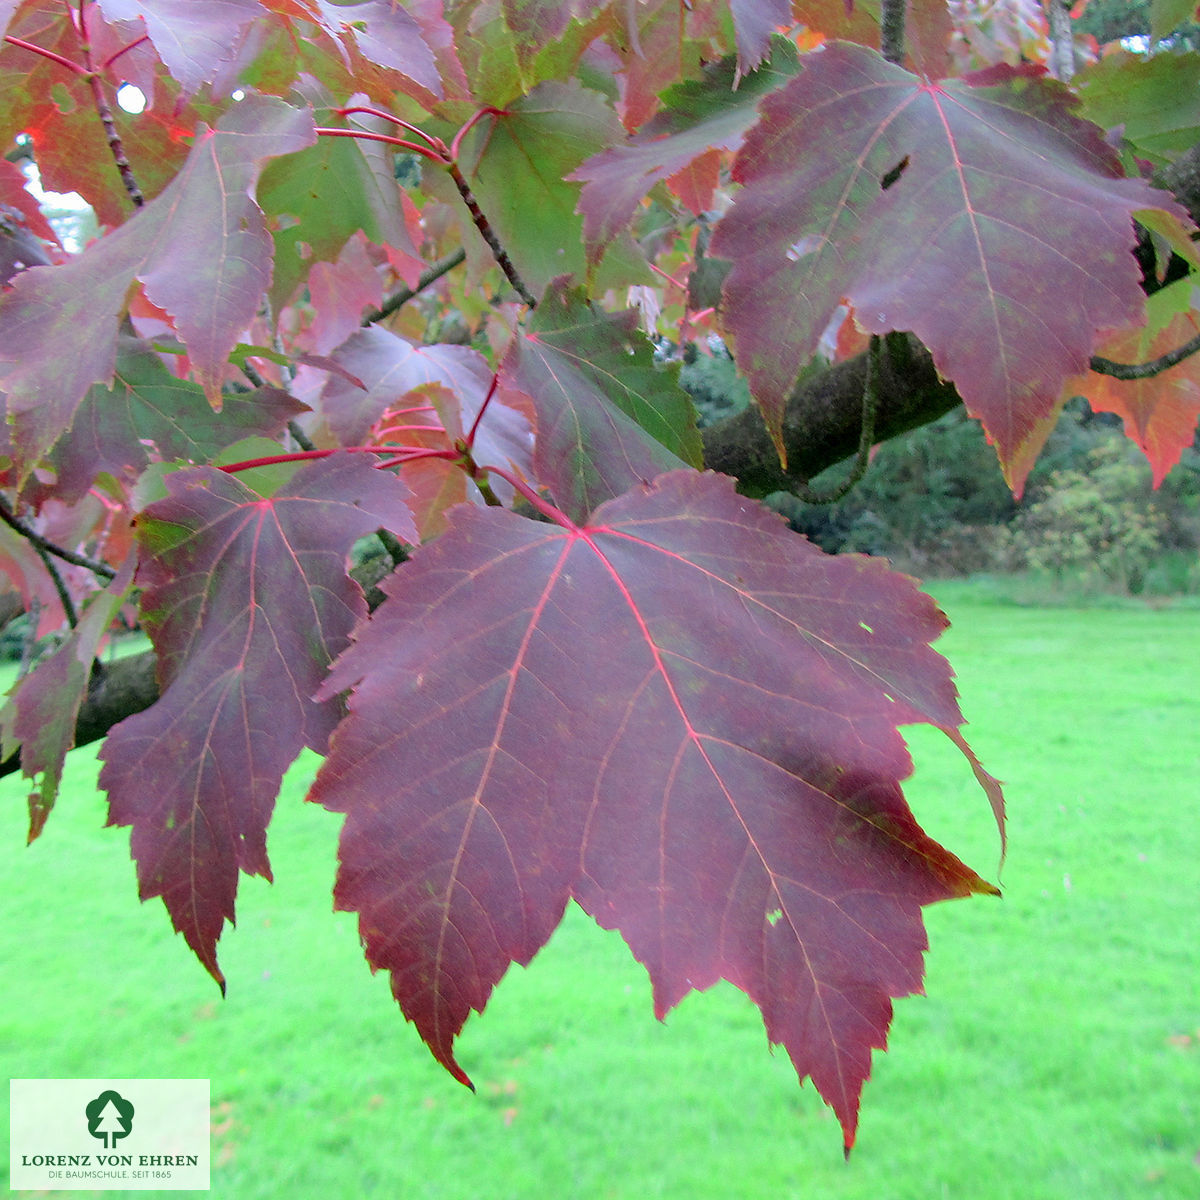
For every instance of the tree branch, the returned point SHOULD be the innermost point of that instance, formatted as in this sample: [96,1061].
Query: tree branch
[64,597]
[402,296]
[1106,366]
[1182,179]
[44,544]
[823,421]
[489,235]
[128,685]
[1062,40]
[115,145]
[891,30]
[866,437]
[125,686]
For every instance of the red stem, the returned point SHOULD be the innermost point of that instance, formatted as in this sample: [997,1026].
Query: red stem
[417,453]
[112,58]
[487,111]
[669,278]
[270,460]
[58,58]
[406,454]
[388,430]
[367,136]
[404,412]
[543,506]
[482,409]
[435,143]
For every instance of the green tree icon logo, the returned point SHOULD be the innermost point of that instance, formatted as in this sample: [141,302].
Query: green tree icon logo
[109,1117]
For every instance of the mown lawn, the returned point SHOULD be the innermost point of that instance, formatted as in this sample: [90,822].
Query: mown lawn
[1056,1055]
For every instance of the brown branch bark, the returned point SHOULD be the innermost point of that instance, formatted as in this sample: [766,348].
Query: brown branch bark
[823,420]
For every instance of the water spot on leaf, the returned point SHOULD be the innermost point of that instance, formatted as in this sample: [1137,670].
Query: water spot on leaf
[805,246]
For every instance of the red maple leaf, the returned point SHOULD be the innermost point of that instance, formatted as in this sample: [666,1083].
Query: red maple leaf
[682,715]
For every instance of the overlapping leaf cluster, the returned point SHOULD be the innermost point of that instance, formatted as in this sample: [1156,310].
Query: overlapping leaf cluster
[596,673]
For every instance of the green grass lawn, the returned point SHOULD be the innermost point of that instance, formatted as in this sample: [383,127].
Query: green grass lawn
[1056,1055]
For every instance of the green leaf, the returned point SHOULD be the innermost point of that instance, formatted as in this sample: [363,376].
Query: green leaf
[607,417]
[1167,15]
[324,194]
[519,164]
[1155,101]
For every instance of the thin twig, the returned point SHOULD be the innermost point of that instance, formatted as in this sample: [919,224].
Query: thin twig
[1105,366]
[891,30]
[401,297]
[29,643]
[251,373]
[64,597]
[866,438]
[300,437]
[115,145]
[31,535]
[489,236]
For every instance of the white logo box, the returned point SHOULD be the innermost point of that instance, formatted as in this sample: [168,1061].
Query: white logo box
[109,1134]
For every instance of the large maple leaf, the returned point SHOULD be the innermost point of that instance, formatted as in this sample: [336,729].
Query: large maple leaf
[682,715]
[247,601]
[951,209]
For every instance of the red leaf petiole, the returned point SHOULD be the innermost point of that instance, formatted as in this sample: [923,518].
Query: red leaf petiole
[487,111]
[367,136]
[543,506]
[470,438]
[112,58]
[58,58]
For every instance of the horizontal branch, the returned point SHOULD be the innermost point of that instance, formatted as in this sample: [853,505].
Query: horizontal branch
[45,545]
[125,686]
[823,421]
[403,295]
[1146,370]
